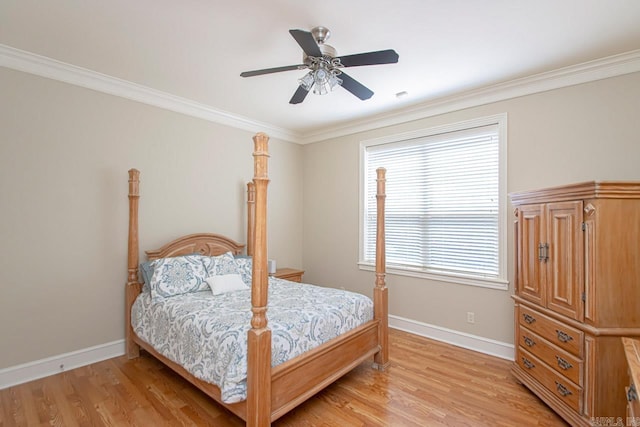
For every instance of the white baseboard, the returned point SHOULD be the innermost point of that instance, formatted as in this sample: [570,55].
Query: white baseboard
[53,365]
[461,339]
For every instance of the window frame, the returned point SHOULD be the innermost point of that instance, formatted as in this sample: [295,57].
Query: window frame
[501,282]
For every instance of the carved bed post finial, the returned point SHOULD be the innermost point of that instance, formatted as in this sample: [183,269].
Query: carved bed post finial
[133,287]
[380,293]
[251,216]
[259,336]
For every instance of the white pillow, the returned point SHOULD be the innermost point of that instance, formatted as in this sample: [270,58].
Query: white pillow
[226,283]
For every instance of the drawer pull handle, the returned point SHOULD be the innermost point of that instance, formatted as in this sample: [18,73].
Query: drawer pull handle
[527,363]
[529,342]
[562,389]
[563,336]
[631,393]
[563,363]
[528,318]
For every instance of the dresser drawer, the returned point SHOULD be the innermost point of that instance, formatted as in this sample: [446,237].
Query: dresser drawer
[564,336]
[559,360]
[567,392]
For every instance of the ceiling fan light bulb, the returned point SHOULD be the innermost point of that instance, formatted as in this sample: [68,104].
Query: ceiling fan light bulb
[307,81]
[320,88]
[334,81]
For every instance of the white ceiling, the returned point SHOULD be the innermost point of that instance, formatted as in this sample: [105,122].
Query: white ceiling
[196,49]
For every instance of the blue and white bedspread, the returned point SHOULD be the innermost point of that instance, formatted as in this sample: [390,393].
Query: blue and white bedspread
[207,334]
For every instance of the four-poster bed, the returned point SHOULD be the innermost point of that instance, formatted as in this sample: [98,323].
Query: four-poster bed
[271,391]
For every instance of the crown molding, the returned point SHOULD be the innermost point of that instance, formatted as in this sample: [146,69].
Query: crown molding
[43,66]
[611,66]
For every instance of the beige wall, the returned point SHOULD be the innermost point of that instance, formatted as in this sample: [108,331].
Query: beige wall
[580,133]
[64,156]
[65,150]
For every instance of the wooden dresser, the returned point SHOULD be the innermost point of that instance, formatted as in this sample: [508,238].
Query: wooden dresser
[577,292]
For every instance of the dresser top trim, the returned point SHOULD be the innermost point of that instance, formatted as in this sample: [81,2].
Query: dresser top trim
[583,190]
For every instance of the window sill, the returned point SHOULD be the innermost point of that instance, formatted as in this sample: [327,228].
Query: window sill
[459,279]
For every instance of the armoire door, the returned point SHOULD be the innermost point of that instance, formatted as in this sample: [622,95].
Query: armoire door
[530,280]
[565,263]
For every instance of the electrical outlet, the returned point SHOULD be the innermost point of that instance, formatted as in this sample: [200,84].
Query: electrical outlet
[471,317]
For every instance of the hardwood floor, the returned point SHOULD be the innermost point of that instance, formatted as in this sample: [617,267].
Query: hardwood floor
[428,384]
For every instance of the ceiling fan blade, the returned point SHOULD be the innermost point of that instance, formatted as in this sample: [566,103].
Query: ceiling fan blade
[388,56]
[272,70]
[356,88]
[307,42]
[299,96]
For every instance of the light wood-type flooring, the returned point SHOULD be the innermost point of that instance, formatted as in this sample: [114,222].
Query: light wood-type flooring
[428,384]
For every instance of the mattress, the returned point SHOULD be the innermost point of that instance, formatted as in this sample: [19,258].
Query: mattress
[207,334]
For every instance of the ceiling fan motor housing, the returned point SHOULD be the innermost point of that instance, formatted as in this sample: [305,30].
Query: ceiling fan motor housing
[328,52]
[320,35]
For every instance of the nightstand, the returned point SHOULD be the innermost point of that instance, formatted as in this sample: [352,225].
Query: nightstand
[292,274]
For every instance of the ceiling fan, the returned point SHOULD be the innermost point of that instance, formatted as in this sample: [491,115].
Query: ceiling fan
[325,67]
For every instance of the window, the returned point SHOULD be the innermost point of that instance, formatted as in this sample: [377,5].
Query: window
[445,202]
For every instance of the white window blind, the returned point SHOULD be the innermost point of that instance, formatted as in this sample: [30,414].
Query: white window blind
[442,205]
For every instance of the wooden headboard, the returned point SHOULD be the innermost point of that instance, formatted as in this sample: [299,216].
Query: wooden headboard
[202,243]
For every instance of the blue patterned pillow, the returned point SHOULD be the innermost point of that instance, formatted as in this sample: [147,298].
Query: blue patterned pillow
[146,271]
[177,276]
[245,268]
[221,264]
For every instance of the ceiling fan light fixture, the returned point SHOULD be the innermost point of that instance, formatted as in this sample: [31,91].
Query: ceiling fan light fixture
[307,81]
[325,79]
[334,81]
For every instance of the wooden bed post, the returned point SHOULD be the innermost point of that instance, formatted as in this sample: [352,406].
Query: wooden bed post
[133,286]
[380,293]
[259,336]
[251,216]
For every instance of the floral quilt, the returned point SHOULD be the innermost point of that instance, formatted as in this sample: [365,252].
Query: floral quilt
[207,334]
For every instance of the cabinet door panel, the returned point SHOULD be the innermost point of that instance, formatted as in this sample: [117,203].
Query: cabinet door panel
[564,268]
[530,280]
